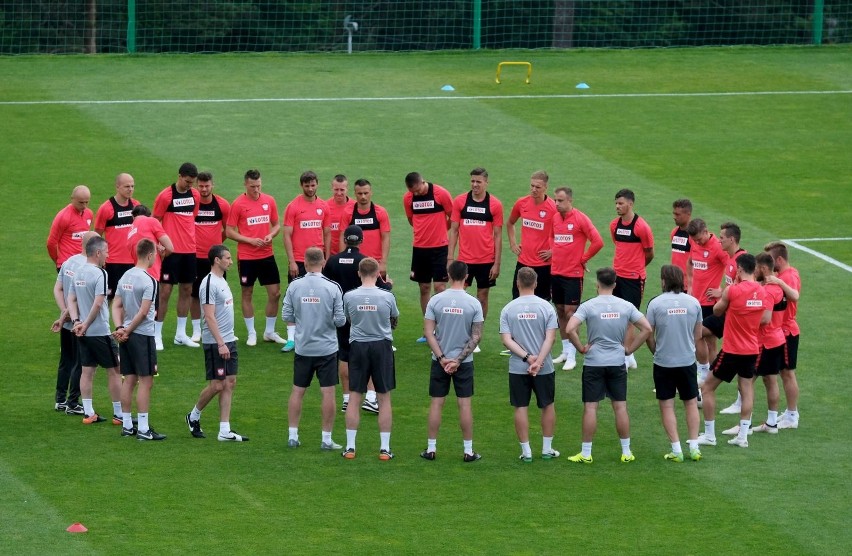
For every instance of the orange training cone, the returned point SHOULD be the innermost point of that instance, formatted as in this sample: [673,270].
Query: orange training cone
[76,528]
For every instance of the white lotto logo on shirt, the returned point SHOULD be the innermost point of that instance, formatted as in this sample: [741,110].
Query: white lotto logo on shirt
[335,226]
[624,232]
[610,316]
[678,240]
[78,235]
[676,311]
[255,220]
[347,261]
[471,222]
[69,273]
[563,238]
[699,265]
[310,224]
[206,213]
[127,287]
[312,299]
[534,224]
[132,232]
[453,311]
[229,301]
[124,214]
[476,210]
[362,221]
[80,283]
[754,303]
[421,205]
[188,202]
[368,307]
[527,316]
[728,281]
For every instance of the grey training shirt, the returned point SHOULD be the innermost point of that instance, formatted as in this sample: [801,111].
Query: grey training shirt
[527,319]
[607,318]
[315,304]
[454,311]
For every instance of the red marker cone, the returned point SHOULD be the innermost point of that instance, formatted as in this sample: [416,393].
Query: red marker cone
[76,528]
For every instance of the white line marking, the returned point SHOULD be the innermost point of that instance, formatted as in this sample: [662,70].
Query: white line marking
[817,254]
[390,99]
[820,239]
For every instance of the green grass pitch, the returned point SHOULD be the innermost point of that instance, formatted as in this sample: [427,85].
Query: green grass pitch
[778,164]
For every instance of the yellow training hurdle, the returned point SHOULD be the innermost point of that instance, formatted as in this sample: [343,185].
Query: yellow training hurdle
[527,64]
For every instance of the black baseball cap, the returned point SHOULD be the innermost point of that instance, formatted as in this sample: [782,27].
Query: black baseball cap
[353,234]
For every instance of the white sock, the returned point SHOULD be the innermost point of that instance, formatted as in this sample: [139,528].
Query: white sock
[143,422]
[350,438]
[158,329]
[468,446]
[739,402]
[772,418]
[270,325]
[703,371]
[291,332]
[384,437]
[625,446]
[196,327]
[126,420]
[566,344]
[87,407]
[346,399]
[371,396]
[250,325]
[224,427]
[293,433]
[571,351]
[181,327]
[431,444]
[586,449]
[195,415]
[693,443]
[710,429]
[525,449]
[745,425]
[116,408]
[676,449]
[326,437]
[546,444]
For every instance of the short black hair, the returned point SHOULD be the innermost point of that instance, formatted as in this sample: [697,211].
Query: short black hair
[188,169]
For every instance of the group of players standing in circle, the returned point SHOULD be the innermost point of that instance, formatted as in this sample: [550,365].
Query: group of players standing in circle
[340,315]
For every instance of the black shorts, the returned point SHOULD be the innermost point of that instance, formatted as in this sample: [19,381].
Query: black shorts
[706,311]
[325,367]
[300,271]
[462,379]
[600,382]
[728,365]
[429,264]
[263,270]
[671,380]
[218,368]
[138,355]
[566,291]
[770,361]
[715,324]
[178,268]
[629,289]
[791,353]
[521,388]
[114,273]
[98,351]
[371,360]
[202,269]
[343,342]
[480,271]
[542,286]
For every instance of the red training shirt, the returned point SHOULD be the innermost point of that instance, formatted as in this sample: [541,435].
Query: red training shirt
[476,220]
[114,220]
[630,241]
[746,303]
[373,223]
[253,219]
[570,234]
[65,238]
[536,228]
[210,225]
[429,215]
[146,227]
[307,218]
[177,212]
[708,268]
